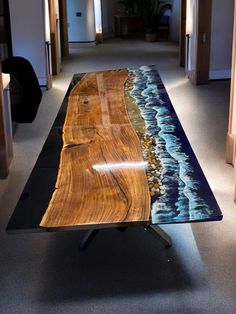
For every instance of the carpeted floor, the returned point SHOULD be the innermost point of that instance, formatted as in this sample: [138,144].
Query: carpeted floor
[126,272]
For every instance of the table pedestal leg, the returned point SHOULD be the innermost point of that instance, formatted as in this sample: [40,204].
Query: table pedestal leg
[88,238]
[160,233]
[154,230]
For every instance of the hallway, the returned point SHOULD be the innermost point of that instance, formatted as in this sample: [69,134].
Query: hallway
[126,272]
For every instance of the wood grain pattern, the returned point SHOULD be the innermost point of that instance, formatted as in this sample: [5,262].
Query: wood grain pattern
[100,180]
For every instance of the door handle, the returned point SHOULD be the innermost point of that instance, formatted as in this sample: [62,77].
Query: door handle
[203,37]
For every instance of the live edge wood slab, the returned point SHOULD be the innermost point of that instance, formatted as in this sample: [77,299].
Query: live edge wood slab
[97,136]
[115,156]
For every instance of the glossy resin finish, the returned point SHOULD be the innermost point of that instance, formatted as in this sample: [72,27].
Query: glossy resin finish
[101,177]
[115,156]
[179,190]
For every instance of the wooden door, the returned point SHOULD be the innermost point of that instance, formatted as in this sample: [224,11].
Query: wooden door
[54,38]
[6,143]
[201,41]
[63,28]
[3,164]
[182,54]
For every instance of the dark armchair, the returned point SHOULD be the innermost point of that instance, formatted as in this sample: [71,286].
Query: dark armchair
[25,91]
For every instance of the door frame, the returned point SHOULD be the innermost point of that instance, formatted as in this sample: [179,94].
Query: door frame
[56,68]
[200,74]
[231,134]
[182,44]
[63,28]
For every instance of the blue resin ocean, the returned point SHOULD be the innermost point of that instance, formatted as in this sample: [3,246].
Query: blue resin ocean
[185,195]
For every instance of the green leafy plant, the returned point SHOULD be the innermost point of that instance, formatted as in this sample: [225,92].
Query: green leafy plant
[149,11]
[130,6]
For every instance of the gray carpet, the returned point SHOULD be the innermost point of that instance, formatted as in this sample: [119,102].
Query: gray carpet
[129,272]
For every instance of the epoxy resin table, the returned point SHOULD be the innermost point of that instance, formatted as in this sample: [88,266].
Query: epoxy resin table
[116,156]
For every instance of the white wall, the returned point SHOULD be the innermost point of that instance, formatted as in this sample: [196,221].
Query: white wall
[28,34]
[221,38]
[81,28]
[175,21]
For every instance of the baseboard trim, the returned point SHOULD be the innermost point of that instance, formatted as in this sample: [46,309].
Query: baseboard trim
[192,76]
[74,44]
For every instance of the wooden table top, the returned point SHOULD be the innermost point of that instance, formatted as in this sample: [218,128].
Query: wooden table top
[100,180]
[116,155]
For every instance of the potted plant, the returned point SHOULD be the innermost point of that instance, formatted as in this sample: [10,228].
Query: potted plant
[149,11]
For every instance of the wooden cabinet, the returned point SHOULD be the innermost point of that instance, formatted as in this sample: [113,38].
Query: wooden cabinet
[128,25]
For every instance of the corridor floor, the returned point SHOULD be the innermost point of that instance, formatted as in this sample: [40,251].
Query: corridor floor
[126,272]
